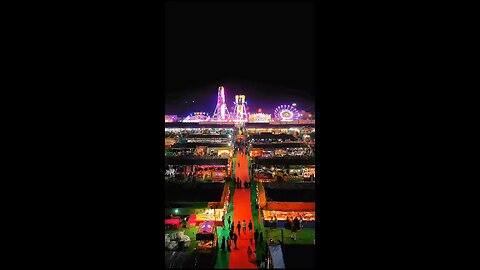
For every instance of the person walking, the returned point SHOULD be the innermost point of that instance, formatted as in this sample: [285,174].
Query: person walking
[295,227]
[229,243]
[235,237]
[238,228]
[255,236]
[251,256]
[229,221]
[223,244]
[244,227]
[223,222]
[233,227]
[250,226]
[231,234]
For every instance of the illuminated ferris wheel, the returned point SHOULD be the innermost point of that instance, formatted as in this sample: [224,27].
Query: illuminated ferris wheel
[286,113]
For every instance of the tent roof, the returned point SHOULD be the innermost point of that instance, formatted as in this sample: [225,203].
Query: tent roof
[193,192]
[196,161]
[277,256]
[299,256]
[195,144]
[285,160]
[206,136]
[271,136]
[279,145]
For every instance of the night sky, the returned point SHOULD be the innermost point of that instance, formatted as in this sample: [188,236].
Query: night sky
[262,50]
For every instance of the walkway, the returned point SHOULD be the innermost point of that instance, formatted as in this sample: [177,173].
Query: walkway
[243,211]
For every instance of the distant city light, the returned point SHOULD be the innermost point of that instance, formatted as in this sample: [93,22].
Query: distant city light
[294,104]
[176,211]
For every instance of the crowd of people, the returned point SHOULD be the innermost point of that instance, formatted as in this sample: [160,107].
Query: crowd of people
[232,239]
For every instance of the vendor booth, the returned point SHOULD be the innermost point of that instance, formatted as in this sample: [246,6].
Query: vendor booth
[207,236]
[256,152]
[308,217]
[172,223]
[214,211]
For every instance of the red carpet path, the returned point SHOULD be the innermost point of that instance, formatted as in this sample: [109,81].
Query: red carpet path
[242,211]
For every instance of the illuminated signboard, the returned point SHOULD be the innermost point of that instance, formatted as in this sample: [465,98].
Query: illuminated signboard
[259,118]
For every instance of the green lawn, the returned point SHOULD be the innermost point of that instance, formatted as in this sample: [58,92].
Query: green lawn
[304,236]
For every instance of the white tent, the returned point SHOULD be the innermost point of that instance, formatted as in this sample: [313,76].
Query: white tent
[277,256]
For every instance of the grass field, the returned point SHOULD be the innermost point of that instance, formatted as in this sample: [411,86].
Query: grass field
[304,236]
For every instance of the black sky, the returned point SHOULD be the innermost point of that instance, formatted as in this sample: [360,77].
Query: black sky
[263,50]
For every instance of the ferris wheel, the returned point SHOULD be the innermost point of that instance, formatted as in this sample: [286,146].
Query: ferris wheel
[286,113]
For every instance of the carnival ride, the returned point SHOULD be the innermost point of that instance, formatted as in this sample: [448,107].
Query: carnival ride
[240,112]
[197,117]
[286,113]
[221,110]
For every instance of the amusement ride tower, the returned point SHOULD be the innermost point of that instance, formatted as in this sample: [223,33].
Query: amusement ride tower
[240,111]
[221,110]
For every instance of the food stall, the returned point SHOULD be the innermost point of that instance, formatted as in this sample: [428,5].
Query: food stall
[308,217]
[172,223]
[209,214]
[207,236]
[215,172]
[309,170]
[255,152]
[224,152]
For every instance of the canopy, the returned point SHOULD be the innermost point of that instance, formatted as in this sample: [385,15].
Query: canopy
[301,160]
[196,161]
[206,230]
[278,145]
[277,256]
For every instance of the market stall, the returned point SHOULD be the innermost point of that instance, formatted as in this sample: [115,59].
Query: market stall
[256,152]
[213,172]
[307,216]
[207,236]
[172,223]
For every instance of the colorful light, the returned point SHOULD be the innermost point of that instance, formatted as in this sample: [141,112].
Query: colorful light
[259,118]
[221,110]
[286,113]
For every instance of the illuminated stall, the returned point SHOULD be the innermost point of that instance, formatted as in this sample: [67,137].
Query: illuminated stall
[207,236]
[308,217]
[289,200]
[256,152]
[269,169]
[259,118]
